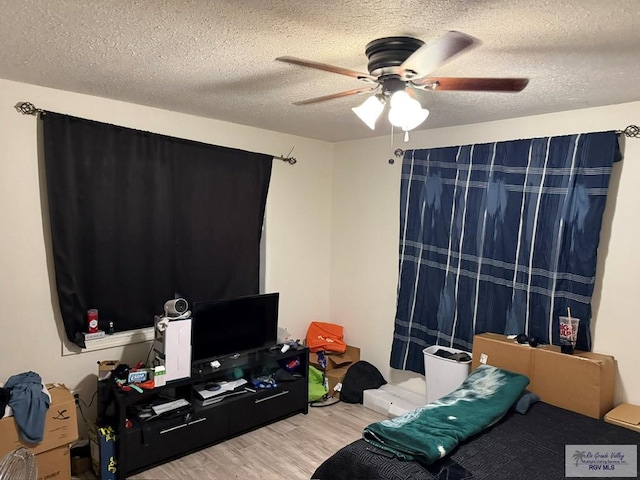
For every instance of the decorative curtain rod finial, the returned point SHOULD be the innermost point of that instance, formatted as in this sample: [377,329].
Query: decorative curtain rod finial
[288,158]
[27,108]
[632,131]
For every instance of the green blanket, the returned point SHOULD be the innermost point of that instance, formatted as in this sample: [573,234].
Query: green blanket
[433,431]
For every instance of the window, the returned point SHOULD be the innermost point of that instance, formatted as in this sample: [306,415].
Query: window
[138,218]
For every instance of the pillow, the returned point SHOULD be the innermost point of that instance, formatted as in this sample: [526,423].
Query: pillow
[525,401]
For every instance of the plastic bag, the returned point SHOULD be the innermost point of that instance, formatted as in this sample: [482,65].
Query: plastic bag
[327,337]
[317,388]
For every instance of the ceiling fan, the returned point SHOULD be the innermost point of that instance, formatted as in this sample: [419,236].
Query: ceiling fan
[400,65]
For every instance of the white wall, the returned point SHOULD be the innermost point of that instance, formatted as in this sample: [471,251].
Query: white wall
[366,223]
[298,226]
[332,232]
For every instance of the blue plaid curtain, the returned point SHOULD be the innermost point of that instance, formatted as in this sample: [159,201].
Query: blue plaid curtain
[499,237]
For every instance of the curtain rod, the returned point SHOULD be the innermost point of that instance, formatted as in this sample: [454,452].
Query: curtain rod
[27,108]
[632,131]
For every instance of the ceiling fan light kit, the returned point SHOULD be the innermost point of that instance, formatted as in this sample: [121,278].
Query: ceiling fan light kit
[370,110]
[398,65]
[406,112]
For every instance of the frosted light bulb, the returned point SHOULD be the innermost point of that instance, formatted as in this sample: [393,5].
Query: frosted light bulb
[369,111]
[399,99]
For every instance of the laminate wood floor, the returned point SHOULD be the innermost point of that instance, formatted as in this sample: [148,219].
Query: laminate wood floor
[290,449]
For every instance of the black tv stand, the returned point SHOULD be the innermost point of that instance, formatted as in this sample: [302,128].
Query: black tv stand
[145,442]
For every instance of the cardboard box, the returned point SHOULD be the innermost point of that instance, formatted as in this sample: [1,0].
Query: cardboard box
[337,366]
[103,452]
[335,377]
[105,367]
[626,415]
[583,382]
[79,465]
[54,464]
[60,427]
[337,360]
[501,352]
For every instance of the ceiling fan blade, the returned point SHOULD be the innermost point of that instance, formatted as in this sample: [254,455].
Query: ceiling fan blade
[432,55]
[472,84]
[327,68]
[355,91]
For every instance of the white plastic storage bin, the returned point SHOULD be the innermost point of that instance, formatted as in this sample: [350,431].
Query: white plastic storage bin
[443,375]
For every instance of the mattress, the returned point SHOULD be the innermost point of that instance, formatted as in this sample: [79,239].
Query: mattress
[530,446]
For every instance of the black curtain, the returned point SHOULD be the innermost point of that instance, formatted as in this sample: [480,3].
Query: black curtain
[138,218]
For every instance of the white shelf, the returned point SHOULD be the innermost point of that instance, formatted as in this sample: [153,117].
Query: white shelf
[118,339]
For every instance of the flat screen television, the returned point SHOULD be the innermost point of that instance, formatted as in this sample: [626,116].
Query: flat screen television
[235,325]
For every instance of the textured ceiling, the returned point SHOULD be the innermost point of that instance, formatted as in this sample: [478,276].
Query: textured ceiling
[216,58]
